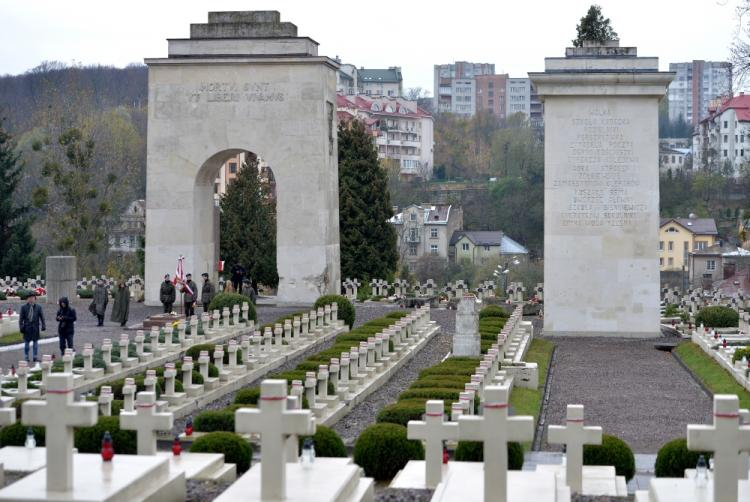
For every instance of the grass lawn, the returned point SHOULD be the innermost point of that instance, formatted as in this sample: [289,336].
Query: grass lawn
[708,371]
[527,401]
[11,338]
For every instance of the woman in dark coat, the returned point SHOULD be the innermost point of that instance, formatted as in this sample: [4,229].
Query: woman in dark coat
[66,318]
[121,308]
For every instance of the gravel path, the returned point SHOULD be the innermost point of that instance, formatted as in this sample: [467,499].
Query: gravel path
[364,414]
[632,390]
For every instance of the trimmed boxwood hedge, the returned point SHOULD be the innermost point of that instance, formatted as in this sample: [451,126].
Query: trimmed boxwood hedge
[89,439]
[493,311]
[326,442]
[740,353]
[613,451]
[229,300]
[247,396]
[674,457]
[473,451]
[345,308]
[235,449]
[15,435]
[431,393]
[717,317]
[383,449]
[214,420]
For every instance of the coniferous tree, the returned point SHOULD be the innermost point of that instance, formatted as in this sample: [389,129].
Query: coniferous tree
[248,225]
[368,241]
[18,257]
[594,27]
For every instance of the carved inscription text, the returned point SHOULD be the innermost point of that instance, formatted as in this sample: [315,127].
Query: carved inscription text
[228,92]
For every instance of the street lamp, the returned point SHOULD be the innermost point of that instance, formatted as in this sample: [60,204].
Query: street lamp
[504,269]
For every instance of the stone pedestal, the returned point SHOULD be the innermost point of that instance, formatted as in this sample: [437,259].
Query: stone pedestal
[601,194]
[466,338]
[60,275]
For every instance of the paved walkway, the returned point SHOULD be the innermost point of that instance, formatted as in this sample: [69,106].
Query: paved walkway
[632,390]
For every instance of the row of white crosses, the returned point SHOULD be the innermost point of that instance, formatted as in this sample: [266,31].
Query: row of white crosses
[350,288]
[354,370]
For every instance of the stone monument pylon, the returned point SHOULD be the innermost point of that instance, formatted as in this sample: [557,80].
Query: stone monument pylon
[601,193]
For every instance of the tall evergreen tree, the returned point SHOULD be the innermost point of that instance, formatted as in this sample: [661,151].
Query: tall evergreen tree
[248,225]
[368,241]
[594,27]
[18,257]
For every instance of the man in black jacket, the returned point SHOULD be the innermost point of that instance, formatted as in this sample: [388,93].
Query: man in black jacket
[29,321]
[167,294]
[66,318]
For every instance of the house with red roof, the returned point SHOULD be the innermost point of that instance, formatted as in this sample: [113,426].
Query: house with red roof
[401,130]
[722,139]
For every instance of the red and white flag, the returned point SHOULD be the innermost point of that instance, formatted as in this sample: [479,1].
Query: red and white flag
[221,266]
[179,275]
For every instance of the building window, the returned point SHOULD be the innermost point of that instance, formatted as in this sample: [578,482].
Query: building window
[661,245]
[725,153]
[661,262]
[671,246]
[486,248]
[433,249]
[726,124]
[700,245]
[710,264]
[433,233]
[412,250]
[726,138]
[413,216]
[232,168]
[670,262]
[413,235]
[465,246]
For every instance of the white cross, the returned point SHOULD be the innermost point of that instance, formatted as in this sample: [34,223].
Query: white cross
[59,414]
[433,430]
[275,424]
[725,438]
[495,429]
[574,435]
[146,421]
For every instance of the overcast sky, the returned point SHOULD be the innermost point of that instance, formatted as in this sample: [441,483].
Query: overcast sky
[515,35]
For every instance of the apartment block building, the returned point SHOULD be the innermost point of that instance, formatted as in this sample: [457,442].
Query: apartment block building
[455,86]
[401,130]
[351,80]
[722,139]
[490,94]
[696,84]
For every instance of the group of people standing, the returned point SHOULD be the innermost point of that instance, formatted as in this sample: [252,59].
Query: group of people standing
[32,323]
[189,290]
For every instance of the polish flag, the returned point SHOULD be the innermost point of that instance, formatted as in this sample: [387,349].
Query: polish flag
[179,275]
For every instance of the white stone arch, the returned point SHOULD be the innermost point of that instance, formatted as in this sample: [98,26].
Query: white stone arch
[214,97]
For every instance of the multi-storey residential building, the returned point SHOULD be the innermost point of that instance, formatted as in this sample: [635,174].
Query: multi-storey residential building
[230,169]
[373,82]
[695,85]
[402,131]
[490,94]
[722,139]
[425,230]
[678,237]
[674,160]
[518,96]
[125,236]
[455,86]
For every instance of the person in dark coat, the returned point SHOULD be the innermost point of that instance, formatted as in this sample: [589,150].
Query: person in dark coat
[66,318]
[207,292]
[31,318]
[121,308]
[167,294]
[238,276]
[99,304]
[189,295]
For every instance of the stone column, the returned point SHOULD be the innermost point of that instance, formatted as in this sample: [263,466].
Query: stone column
[466,340]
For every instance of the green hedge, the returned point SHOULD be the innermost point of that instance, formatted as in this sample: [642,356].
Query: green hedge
[85,293]
[740,353]
[431,393]
[383,449]
[613,451]
[493,311]
[717,317]
[15,435]
[214,420]
[247,396]
[473,451]
[674,457]
[326,442]
[345,308]
[235,449]
[89,439]
[229,300]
